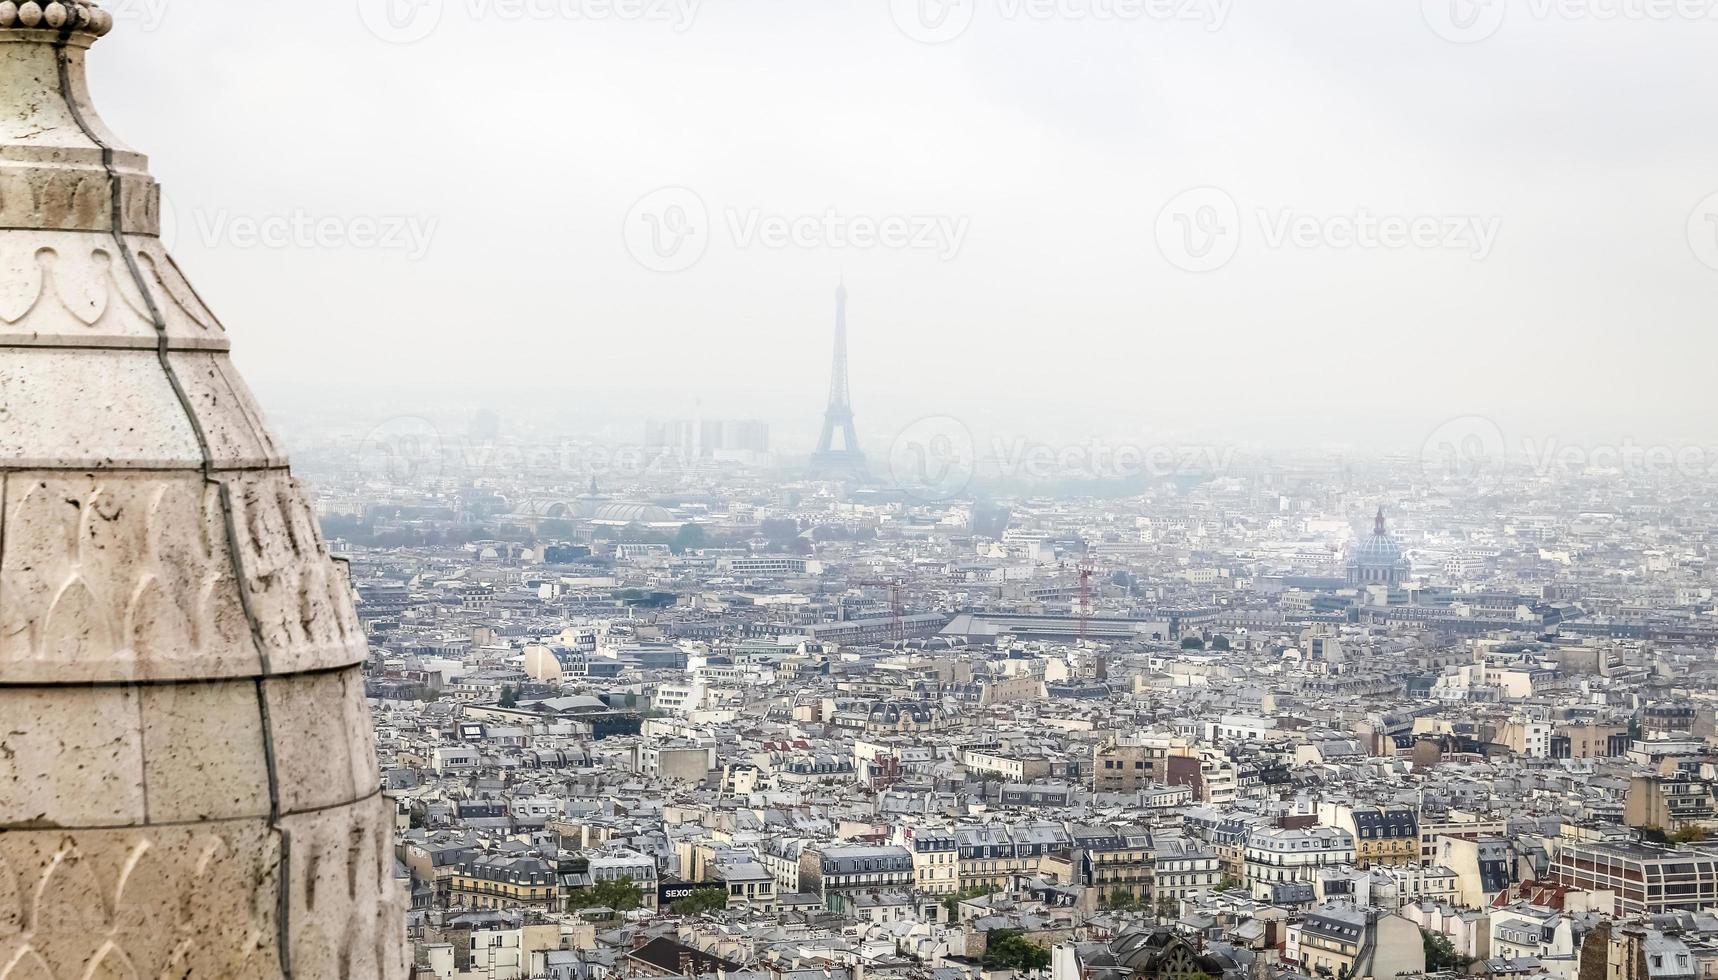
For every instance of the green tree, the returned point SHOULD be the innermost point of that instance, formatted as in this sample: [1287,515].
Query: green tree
[1220,643]
[701,902]
[689,538]
[509,697]
[1689,834]
[1009,949]
[620,894]
[1192,643]
[1440,952]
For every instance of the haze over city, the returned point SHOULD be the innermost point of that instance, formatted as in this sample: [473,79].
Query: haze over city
[480,189]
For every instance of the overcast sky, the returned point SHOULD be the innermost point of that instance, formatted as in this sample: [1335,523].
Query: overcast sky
[1399,213]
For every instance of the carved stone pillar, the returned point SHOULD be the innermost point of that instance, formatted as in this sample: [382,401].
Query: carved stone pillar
[188,783]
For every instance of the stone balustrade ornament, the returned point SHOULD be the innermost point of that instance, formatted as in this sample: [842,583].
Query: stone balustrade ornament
[188,781]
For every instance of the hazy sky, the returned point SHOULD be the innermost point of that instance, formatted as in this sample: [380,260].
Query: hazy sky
[1402,212]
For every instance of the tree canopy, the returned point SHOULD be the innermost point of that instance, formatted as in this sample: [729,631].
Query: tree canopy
[701,902]
[1009,949]
[620,894]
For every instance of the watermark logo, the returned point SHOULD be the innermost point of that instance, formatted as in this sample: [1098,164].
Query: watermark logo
[409,21]
[1203,229]
[137,15]
[1473,448]
[401,21]
[402,451]
[1463,449]
[941,21]
[406,450]
[933,21]
[221,228]
[1703,232]
[1465,21]
[942,235]
[1472,21]
[1200,229]
[934,459]
[937,459]
[668,230]
[410,235]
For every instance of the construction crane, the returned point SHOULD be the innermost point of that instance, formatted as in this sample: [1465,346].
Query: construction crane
[1085,572]
[897,606]
[1100,661]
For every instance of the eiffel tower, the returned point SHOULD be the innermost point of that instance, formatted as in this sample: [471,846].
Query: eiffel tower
[838,418]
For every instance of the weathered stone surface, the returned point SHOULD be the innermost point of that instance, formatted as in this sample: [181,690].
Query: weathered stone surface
[188,786]
[70,757]
[204,751]
[301,598]
[108,408]
[200,900]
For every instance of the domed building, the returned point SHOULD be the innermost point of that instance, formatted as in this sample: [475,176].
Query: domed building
[1378,559]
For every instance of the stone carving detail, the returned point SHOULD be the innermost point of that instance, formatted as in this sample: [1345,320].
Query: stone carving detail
[128,577]
[117,578]
[71,285]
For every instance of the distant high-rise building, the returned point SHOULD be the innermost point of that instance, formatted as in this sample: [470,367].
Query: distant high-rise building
[838,447]
[708,438]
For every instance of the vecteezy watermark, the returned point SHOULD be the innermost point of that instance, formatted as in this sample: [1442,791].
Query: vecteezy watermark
[940,234]
[1203,229]
[1703,232]
[1472,21]
[941,21]
[1473,448]
[669,230]
[1097,460]
[406,21]
[409,450]
[937,459]
[410,235]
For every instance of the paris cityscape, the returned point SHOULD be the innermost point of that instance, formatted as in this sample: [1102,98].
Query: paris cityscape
[886,490]
[689,706]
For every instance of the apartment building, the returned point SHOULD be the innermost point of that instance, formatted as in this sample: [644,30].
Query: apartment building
[1383,836]
[1276,856]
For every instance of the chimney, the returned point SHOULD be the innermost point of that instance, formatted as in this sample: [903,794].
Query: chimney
[179,655]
